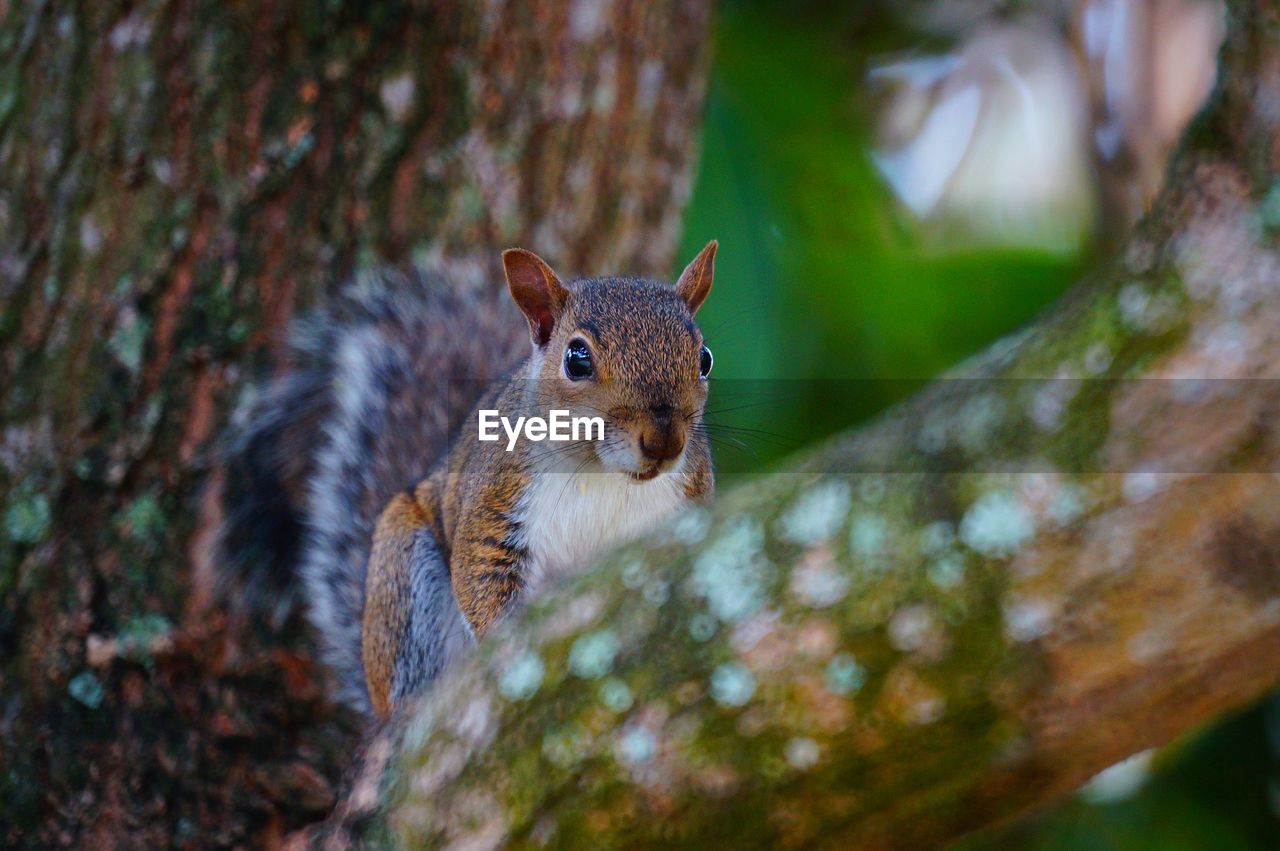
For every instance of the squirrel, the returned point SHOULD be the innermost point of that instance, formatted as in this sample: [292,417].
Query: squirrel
[342,484]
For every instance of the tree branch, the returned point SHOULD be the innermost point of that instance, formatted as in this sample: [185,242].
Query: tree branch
[1001,587]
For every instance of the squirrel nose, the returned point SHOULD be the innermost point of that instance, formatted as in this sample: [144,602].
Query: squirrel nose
[659,440]
[660,447]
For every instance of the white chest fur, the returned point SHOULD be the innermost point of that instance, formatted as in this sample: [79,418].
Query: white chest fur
[566,520]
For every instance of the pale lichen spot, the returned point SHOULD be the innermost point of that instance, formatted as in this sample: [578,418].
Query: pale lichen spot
[1146,646]
[927,710]
[636,746]
[1224,348]
[816,639]
[578,179]
[446,762]
[1049,402]
[569,104]
[419,727]
[1162,312]
[872,489]
[869,537]
[592,654]
[1268,209]
[1132,304]
[364,789]
[937,538]
[484,816]
[86,689]
[1191,389]
[932,435]
[1097,359]
[144,519]
[521,678]
[587,19]
[817,580]
[916,629]
[817,513]
[844,675]
[576,615]
[691,526]
[90,236]
[1001,352]
[129,338]
[605,93]
[802,753]
[750,632]
[615,695]
[396,94]
[1068,505]
[162,168]
[649,83]
[702,626]
[475,723]
[997,524]
[907,697]
[751,723]
[946,572]
[730,573]
[565,746]
[634,573]
[28,518]
[133,30]
[732,684]
[1141,485]
[656,591]
[978,420]
[1027,619]
[1140,256]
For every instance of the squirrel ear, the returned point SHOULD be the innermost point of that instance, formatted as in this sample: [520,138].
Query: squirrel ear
[536,290]
[695,280]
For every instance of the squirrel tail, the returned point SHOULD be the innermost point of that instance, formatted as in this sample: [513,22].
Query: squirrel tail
[267,464]
[363,410]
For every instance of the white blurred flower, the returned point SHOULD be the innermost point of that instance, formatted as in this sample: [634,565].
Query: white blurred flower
[1120,781]
[990,139]
[1016,135]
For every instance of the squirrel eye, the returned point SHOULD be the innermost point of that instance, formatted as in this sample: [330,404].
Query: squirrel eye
[577,361]
[705,361]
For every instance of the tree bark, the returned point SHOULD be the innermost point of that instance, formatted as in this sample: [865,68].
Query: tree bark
[1065,552]
[176,178]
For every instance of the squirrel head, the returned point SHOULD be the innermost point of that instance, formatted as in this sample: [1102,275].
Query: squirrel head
[624,349]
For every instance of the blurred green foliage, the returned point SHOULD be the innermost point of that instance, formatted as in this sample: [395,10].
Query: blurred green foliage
[1209,793]
[821,275]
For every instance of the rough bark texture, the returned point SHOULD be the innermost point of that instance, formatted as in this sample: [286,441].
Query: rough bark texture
[174,178]
[926,626]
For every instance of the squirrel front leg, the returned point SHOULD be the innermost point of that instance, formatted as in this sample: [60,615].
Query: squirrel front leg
[488,566]
[386,596]
[412,626]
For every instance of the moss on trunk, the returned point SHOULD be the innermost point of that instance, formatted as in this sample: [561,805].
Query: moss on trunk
[177,178]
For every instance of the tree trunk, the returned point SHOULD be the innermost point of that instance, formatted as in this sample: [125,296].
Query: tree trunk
[1065,553]
[176,178]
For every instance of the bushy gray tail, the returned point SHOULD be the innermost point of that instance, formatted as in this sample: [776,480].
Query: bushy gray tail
[377,383]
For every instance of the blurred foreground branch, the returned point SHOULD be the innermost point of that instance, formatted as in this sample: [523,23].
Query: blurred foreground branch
[969,607]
